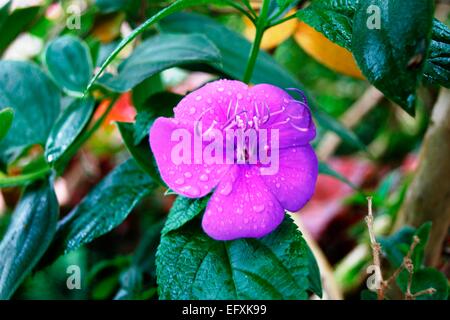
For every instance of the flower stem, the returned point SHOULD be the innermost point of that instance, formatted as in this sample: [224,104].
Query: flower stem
[260,29]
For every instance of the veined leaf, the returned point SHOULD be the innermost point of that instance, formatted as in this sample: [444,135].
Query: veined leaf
[184,210]
[105,207]
[190,265]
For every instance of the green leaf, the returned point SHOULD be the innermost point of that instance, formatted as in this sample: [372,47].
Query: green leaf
[184,210]
[174,7]
[67,127]
[35,101]
[437,67]
[105,207]
[69,62]
[13,23]
[157,54]
[31,230]
[332,18]
[315,280]
[393,57]
[140,152]
[424,279]
[190,265]
[6,119]
[325,169]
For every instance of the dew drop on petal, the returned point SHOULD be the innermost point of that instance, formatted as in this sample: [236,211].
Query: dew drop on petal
[220,89]
[204,177]
[226,190]
[245,220]
[188,174]
[258,208]
[179,181]
[192,110]
[278,185]
[198,98]
[219,209]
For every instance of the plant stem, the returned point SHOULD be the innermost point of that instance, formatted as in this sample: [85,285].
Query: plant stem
[23,179]
[260,28]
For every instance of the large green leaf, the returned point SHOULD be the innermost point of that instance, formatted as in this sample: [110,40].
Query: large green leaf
[190,265]
[174,7]
[334,19]
[31,230]
[67,127]
[35,101]
[69,62]
[105,207]
[15,22]
[393,57]
[437,67]
[157,54]
[184,210]
[6,119]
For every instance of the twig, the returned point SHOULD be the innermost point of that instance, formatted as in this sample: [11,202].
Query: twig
[376,249]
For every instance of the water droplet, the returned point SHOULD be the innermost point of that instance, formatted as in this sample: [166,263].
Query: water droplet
[188,174]
[192,110]
[220,89]
[258,208]
[219,209]
[278,185]
[245,220]
[198,98]
[190,190]
[239,96]
[209,100]
[204,177]
[179,181]
[226,190]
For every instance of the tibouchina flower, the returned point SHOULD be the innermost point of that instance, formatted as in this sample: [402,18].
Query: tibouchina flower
[248,144]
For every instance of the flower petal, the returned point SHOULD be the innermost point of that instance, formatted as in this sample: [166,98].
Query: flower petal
[242,207]
[188,179]
[292,118]
[294,184]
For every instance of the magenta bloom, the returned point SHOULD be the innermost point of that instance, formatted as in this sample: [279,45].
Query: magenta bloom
[248,144]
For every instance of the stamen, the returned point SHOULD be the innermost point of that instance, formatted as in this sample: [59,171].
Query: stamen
[281,122]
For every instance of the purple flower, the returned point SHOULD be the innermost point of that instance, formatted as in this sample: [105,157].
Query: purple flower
[248,144]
